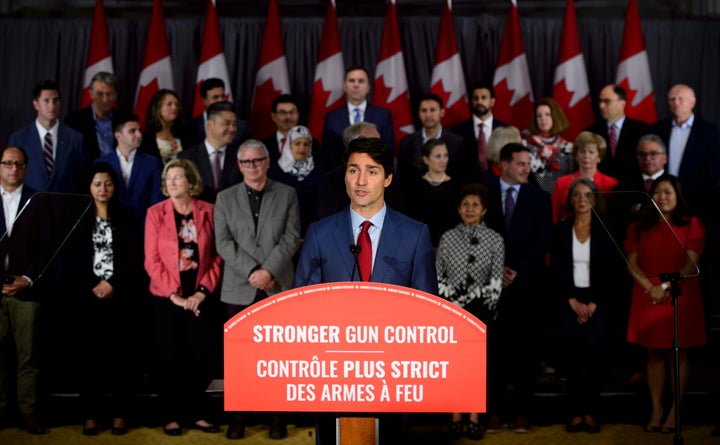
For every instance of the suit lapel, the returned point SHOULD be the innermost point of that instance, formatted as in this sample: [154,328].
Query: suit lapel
[390,240]
[204,167]
[343,239]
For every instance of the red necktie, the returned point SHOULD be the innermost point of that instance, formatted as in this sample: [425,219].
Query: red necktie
[613,139]
[365,255]
[648,184]
[282,144]
[482,148]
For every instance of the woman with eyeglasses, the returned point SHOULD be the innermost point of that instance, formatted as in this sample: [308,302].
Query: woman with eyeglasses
[184,270]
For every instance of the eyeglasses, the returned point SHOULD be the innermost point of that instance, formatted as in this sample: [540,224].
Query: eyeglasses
[287,112]
[11,164]
[254,162]
[649,154]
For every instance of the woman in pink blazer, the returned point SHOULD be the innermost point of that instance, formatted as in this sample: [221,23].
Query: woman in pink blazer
[184,271]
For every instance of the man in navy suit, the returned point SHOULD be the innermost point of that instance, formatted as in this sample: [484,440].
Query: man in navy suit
[401,250]
[95,121]
[56,154]
[356,109]
[522,214]
[431,112]
[482,101]
[213,90]
[620,161]
[216,157]
[20,300]
[693,149]
[140,173]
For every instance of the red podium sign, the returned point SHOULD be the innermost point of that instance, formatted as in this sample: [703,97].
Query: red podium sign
[355,347]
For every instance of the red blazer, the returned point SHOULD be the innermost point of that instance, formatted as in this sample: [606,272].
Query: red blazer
[161,248]
[559,197]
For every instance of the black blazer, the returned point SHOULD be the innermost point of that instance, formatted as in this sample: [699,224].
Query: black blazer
[625,163]
[700,165]
[603,259]
[82,120]
[230,174]
[466,130]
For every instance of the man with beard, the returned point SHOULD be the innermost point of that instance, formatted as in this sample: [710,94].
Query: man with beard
[286,115]
[476,130]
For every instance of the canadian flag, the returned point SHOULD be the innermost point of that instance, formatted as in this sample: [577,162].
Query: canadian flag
[633,72]
[448,80]
[513,92]
[99,58]
[272,77]
[570,87]
[390,89]
[328,91]
[156,73]
[212,59]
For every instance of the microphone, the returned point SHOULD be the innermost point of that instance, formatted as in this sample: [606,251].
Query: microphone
[355,250]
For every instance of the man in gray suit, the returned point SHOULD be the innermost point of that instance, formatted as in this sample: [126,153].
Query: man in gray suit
[257,232]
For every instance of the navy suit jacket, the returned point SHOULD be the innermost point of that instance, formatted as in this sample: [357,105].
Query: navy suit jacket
[68,175]
[144,188]
[404,255]
[466,130]
[625,163]
[700,165]
[338,120]
[230,172]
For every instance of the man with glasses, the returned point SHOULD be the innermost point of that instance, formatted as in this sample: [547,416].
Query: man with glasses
[286,115]
[257,232]
[620,132]
[20,300]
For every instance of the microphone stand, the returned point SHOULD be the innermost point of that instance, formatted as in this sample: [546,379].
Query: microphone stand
[355,250]
[675,292]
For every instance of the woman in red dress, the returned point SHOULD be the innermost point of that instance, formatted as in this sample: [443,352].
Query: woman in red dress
[653,247]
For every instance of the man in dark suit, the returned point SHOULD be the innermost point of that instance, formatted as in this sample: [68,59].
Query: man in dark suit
[399,251]
[56,154]
[356,109]
[213,90]
[216,157]
[693,149]
[482,101]
[139,172]
[522,214]
[285,114]
[20,300]
[431,112]
[95,121]
[257,232]
[619,131]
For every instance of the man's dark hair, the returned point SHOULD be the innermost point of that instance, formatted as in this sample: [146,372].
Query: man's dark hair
[620,91]
[373,147]
[218,107]
[46,84]
[209,84]
[120,119]
[355,68]
[507,152]
[283,99]
[433,97]
[20,149]
[483,85]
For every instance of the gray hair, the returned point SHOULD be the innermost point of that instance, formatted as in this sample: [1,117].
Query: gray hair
[354,130]
[108,79]
[250,144]
[652,138]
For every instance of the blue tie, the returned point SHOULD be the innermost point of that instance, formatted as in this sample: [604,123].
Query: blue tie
[356,119]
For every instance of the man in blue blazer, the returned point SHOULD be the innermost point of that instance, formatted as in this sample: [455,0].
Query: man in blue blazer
[66,172]
[401,250]
[526,228]
[693,149]
[356,109]
[139,173]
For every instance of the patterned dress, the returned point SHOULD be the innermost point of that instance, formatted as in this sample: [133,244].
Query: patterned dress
[550,158]
[469,264]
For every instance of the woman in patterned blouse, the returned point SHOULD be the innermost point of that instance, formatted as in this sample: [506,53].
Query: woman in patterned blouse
[106,244]
[469,264]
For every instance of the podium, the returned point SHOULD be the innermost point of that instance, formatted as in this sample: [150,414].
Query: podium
[355,347]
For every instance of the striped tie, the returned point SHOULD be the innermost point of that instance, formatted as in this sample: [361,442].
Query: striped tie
[48,153]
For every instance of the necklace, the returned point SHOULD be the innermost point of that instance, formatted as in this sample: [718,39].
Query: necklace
[435,183]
